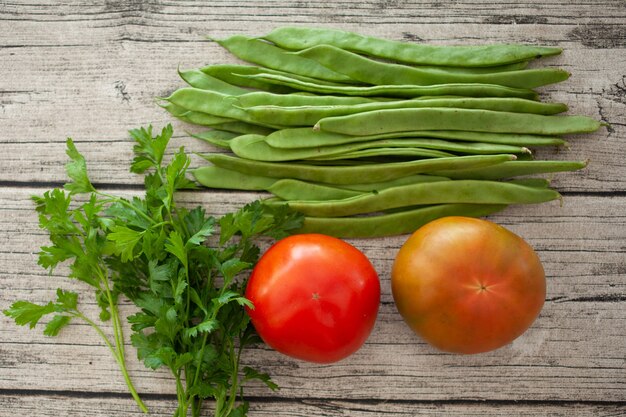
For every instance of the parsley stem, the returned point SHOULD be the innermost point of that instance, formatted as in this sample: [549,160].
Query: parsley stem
[183,406]
[235,377]
[119,353]
[120,359]
[98,329]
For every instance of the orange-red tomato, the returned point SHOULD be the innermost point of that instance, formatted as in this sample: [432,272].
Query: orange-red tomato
[315,297]
[467,285]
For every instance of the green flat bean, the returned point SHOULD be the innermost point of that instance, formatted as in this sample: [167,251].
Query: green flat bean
[290,189]
[397,223]
[262,98]
[270,56]
[189,116]
[232,74]
[352,174]
[531,182]
[473,148]
[308,138]
[173,109]
[409,179]
[243,128]
[411,153]
[203,119]
[397,120]
[216,137]
[299,38]
[406,91]
[516,66]
[212,103]
[459,191]
[511,169]
[256,148]
[227,70]
[198,79]
[369,71]
[215,177]
[301,113]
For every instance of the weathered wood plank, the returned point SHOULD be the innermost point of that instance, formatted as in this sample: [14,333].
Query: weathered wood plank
[70,406]
[429,12]
[91,70]
[581,245]
[113,59]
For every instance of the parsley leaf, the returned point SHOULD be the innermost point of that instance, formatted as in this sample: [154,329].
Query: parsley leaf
[77,171]
[125,239]
[183,269]
[27,313]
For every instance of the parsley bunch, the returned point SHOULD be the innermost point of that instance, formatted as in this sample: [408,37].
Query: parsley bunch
[189,293]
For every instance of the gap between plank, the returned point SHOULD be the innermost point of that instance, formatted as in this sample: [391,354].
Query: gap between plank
[267,399]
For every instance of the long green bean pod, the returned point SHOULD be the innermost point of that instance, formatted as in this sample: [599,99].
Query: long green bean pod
[460,191]
[369,71]
[397,120]
[262,53]
[302,113]
[512,169]
[255,147]
[309,138]
[298,38]
[352,174]
[406,91]
[402,222]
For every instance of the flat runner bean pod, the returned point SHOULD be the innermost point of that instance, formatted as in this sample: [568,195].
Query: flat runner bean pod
[409,179]
[301,113]
[406,91]
[173,109]
[227,70]
[232,74]
[511,169]
[459,191]
[516,66]
[290,189]
[369,71]
[262,98]
[216,177]
[298,38]
[198,79]
[203,119]
[270,56]
[473,148]
[220,138]
[243,128]
[405,153]
[256,148]
[397,120]
[212,103]
[402,222]
[308,138]
[189,116]
[349,174]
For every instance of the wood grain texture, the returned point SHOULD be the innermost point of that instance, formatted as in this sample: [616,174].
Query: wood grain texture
[55,405]
[91,70]
[115,58]
[584,312]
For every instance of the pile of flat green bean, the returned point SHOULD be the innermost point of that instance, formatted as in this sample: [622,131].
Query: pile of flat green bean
[371,137]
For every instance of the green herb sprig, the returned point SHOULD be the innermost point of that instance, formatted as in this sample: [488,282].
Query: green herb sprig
[191,315]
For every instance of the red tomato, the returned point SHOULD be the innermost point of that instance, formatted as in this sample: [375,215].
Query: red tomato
[315,297]
[467,285]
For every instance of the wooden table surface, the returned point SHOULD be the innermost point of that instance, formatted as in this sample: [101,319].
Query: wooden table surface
[91,70]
